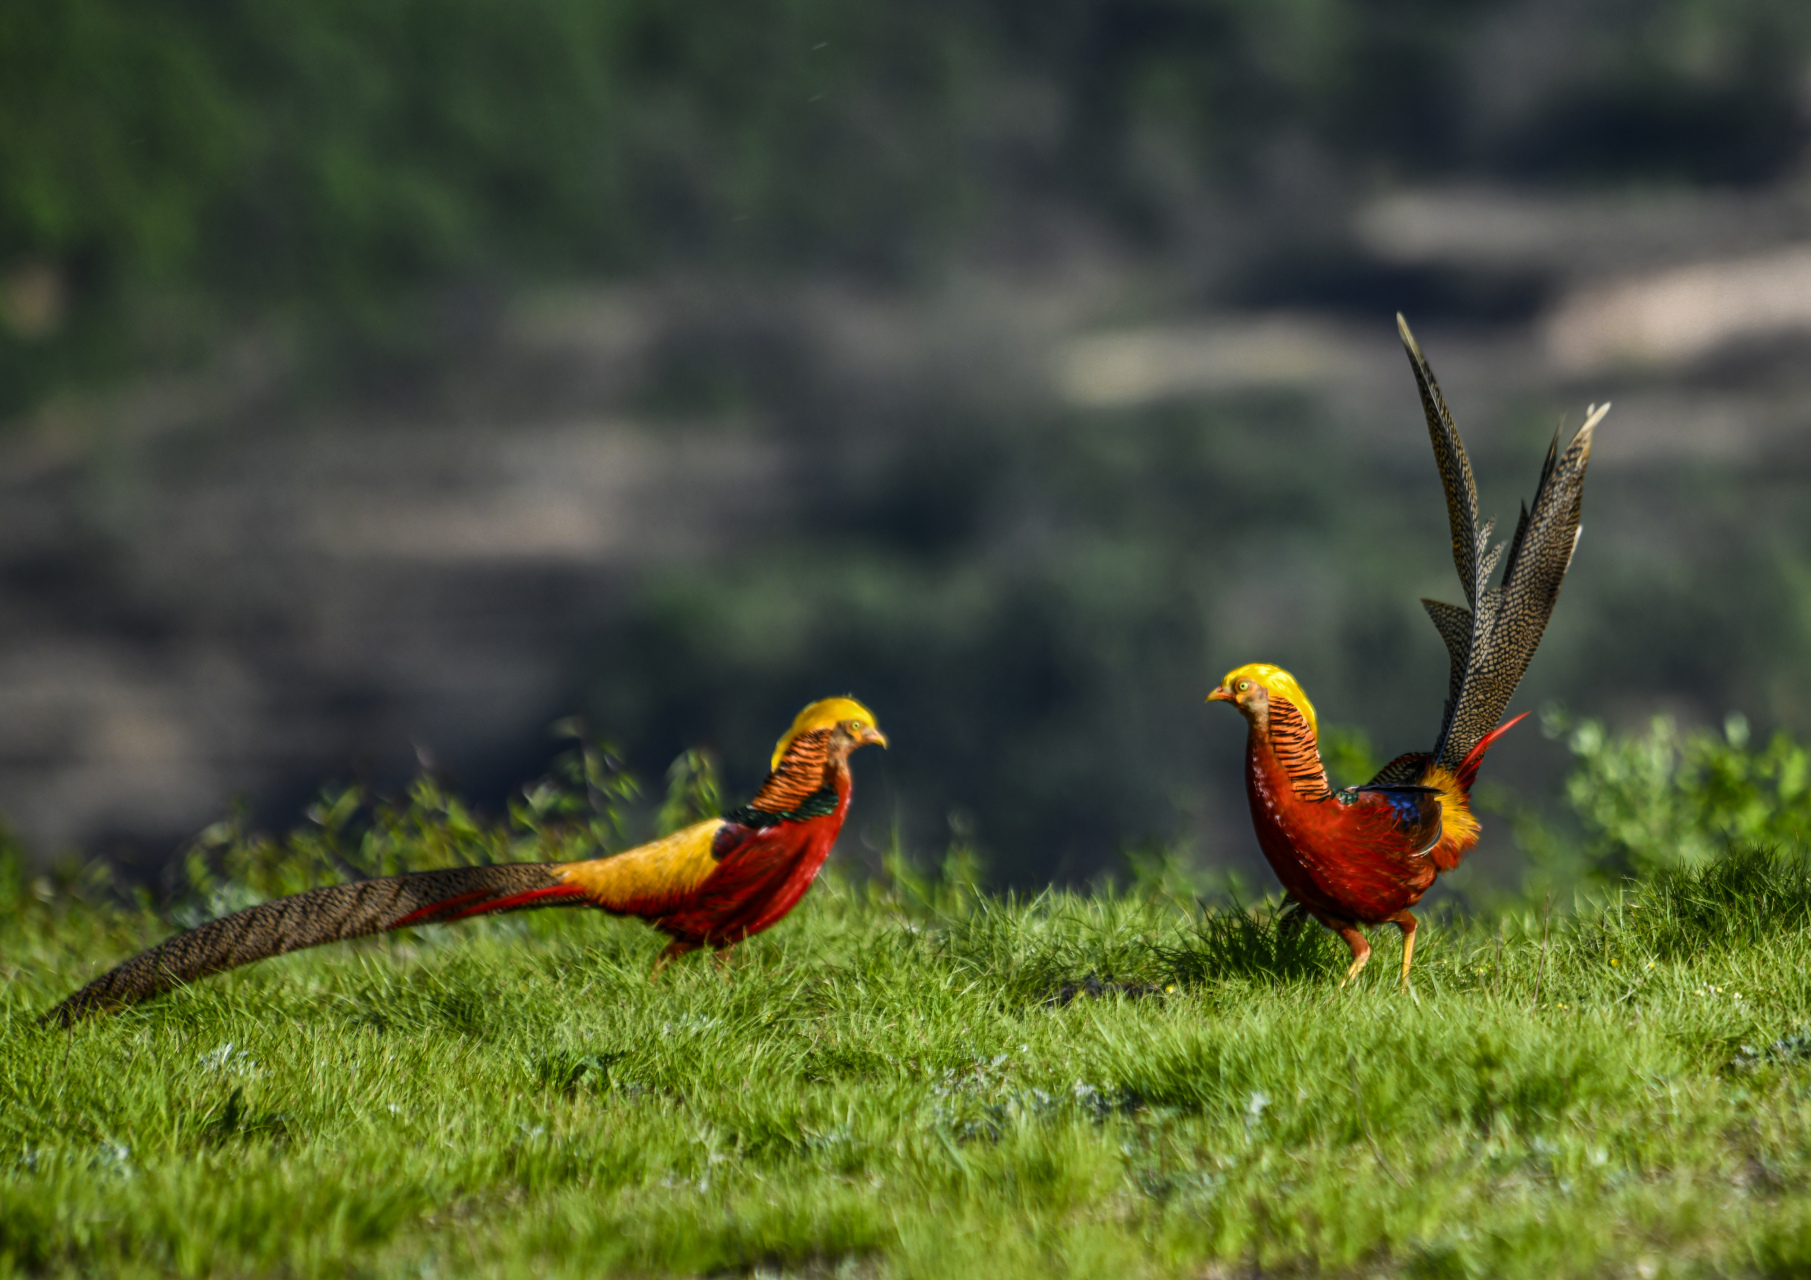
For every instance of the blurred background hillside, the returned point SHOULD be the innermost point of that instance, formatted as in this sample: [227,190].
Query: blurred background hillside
[383,381]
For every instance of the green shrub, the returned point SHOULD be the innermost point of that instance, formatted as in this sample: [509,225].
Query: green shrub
[1668,798]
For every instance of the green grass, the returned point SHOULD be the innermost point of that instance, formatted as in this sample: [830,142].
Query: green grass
[880,1091]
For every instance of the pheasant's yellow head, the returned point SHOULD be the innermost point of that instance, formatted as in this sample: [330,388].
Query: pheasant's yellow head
[1250,688]
[856,722]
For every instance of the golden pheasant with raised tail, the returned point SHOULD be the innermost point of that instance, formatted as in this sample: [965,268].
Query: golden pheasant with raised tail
[710,885]
[1365,855]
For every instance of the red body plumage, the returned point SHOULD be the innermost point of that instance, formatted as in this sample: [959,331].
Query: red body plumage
[1355,861]
[761,876]
[1363,855]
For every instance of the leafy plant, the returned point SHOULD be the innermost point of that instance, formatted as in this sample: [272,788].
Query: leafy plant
[584,807]
[1669,798]
[693,791]
[1348,755]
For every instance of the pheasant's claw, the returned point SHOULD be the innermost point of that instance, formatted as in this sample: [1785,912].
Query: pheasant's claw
[1361,951]
[1408,989]
[672,951]
[1406,922]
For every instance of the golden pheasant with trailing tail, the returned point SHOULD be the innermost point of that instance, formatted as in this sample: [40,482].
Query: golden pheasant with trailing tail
[1365,855]
[710,885]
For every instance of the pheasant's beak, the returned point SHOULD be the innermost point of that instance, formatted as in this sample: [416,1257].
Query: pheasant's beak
[1220,694]
[870,734]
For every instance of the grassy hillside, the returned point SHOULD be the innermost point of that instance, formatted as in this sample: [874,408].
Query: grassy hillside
[903,1079]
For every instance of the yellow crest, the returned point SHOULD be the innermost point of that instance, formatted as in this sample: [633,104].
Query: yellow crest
[1279,683]
[821,715]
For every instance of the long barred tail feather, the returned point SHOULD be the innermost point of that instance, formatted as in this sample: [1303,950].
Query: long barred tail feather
[328,914]
[1470,544]
[1492,642]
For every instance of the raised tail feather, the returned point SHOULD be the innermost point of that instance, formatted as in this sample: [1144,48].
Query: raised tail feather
[328,914]
[1491,642]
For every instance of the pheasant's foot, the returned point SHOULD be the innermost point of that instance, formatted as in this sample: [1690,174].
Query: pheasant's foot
[1407,923]
[670,953]
[1361,951]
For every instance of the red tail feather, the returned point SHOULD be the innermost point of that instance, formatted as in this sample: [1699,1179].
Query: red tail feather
[1468,767]
[456,909]
[433,911]
[520,900]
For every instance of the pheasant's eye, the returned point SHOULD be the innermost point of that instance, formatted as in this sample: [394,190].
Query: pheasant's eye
[1244,685]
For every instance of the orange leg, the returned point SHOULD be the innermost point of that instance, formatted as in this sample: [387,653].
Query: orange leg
[1361,950]
[721,958]
[674,950]
[1406,922]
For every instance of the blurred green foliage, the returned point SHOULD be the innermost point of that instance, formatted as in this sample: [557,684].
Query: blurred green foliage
[693,793]
[167,166]
[586,806]
[1667,798]
[1348,755]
